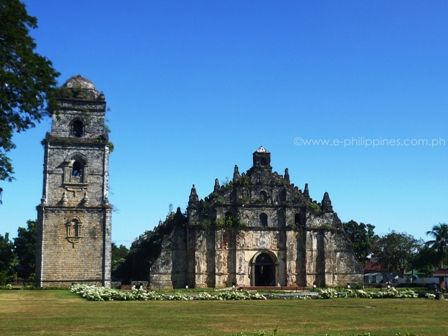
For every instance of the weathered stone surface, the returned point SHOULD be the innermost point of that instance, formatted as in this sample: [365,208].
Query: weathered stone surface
[74,217]
[257,230]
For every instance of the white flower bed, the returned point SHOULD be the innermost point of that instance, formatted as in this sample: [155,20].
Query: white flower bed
[430,296]
[328,293]
[94,293]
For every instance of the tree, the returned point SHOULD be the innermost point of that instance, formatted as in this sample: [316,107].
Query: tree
[440,242]
[147,248]
[27,79]
[396,251]
[363,238]
[119,254]
[144,250]
[7,260]
[426,259]
[25,250]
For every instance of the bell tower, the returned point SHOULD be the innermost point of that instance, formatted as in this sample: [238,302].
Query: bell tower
[74,216]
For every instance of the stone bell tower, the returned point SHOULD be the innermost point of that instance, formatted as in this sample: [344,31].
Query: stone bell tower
[74,217]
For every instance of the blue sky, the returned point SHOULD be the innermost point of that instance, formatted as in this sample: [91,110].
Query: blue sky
[194,87]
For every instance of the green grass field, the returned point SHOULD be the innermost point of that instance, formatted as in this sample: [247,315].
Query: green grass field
[58,312]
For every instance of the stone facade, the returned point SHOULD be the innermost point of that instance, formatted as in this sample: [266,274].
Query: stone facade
[257,230]
[74,217]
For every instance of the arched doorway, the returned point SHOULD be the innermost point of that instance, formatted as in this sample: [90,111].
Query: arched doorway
[264,270]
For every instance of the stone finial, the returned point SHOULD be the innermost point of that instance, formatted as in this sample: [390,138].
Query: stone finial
[306,191]
[179,218]
[85,199]
[286,175]
[193,196]
[236,173]
[64,199]
[326,203]
[217,186]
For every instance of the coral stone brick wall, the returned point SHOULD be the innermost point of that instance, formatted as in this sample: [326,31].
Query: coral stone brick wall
[79,260]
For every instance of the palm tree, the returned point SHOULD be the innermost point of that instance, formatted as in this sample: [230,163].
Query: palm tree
[440,241]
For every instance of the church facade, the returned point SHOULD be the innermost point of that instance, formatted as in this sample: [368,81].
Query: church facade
[74,216]
[257,230]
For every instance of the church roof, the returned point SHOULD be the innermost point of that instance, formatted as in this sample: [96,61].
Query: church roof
[441,272]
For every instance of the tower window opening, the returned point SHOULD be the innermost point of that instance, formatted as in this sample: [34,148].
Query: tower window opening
[263,219]
[77,128]
[78,172]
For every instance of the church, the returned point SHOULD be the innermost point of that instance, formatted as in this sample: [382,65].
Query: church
[256,230]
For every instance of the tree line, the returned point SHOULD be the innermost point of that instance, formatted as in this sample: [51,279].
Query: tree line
[18,256]
[399,252]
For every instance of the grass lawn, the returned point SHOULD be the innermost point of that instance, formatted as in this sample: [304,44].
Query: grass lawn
[58,312]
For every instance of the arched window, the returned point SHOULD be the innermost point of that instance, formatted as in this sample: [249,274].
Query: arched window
[77,128]
[74,229]
[75,169]
[299,220]
[263,219]
[78,171]
[283,195]
[263,196]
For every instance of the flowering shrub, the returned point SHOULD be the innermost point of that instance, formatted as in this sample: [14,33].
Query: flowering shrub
[94,293]
[395,293]
[430,296]
[363,294]
[329,293]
